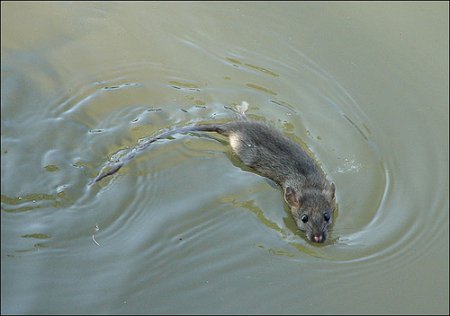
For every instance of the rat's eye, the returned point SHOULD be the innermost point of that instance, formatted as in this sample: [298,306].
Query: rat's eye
[326,216]
[304,218]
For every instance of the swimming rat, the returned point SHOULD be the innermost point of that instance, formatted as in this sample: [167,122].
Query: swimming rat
[308,193]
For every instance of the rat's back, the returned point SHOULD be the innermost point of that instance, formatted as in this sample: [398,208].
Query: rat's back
[269,152]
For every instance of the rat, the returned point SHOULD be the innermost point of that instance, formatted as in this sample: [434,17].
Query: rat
[309,195]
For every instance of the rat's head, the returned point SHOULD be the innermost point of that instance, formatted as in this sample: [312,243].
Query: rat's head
[312,211]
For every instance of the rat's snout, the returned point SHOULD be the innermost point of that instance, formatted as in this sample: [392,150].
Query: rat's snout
[318,238]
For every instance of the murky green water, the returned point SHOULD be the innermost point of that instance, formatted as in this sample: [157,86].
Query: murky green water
[185,228]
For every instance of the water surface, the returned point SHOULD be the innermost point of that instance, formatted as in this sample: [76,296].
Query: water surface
[185,227]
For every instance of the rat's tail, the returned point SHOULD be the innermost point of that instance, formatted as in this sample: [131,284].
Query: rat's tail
[115,166]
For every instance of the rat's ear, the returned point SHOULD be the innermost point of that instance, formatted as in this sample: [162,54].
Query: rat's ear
[329,192]
[291,197]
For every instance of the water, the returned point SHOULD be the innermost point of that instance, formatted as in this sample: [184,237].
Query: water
[186,228]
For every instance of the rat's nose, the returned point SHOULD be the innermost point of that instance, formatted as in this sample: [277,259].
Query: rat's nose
[318,238]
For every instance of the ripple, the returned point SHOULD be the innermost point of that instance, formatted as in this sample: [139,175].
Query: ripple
[330,98]
[34,201]
[369,227]
[318,113]
[329,121]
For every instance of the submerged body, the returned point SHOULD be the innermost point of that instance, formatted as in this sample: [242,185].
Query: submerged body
[264,149]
